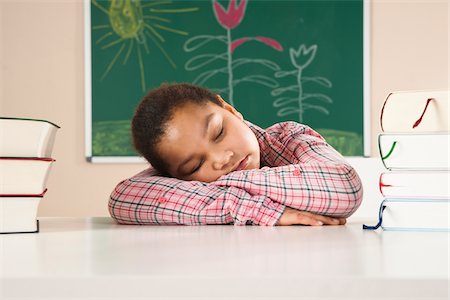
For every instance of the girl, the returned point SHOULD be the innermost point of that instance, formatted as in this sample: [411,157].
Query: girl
[210,166]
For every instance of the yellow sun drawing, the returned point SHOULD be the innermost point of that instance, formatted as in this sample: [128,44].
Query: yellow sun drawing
[132,24]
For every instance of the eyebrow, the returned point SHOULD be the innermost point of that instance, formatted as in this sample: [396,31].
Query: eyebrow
[205,130]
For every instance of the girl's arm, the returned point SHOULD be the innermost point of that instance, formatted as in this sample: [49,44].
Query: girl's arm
[148,198]
[305,173]
[318,180]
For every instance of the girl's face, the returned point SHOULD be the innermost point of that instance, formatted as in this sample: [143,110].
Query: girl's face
[204,142]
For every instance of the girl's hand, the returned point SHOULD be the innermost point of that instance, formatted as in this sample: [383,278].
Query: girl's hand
[296,217]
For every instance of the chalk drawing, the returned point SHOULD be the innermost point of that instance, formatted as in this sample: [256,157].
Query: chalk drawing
[131,25]
[295,99]
[229,19]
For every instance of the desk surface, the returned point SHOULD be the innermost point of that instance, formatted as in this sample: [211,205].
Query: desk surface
[95,258]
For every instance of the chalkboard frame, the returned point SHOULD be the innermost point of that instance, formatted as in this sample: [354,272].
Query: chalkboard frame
[136,159]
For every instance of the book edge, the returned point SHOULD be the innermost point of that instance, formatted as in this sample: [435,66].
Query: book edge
[41,195]
[13,232]
[43,159]
[29,119]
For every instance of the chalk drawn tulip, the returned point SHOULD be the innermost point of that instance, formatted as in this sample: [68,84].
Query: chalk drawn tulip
[231,17]
[303,56]
[302,101]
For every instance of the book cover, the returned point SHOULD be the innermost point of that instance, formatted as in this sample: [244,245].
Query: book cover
[26,137]
[415,214]
[419,151]
[24,176]
[416,111]
[415,184]
[18,214]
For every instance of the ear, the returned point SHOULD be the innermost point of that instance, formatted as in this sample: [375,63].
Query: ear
[230,108]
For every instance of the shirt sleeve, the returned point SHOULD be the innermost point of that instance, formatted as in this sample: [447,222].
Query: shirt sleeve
[301,171]
[147,198]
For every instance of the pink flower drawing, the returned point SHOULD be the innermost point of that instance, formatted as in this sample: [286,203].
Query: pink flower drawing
[268,41]
[231,17]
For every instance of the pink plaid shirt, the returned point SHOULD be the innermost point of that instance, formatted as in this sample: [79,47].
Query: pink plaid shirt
[298,169]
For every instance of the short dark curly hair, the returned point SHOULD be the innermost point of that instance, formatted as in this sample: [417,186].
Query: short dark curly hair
[156,109]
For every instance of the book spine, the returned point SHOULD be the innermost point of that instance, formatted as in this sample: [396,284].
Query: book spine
[33,231]
[41,195]
[380,218]
[382,111]
[382,185]
[28,158]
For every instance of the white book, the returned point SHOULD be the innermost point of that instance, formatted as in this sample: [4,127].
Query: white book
[26,137]
[414,214]
[415,184]
[420,151]
[18,214]
[416,111]
[24,176]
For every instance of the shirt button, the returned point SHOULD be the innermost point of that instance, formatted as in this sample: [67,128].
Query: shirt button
[296,172]
[162,200]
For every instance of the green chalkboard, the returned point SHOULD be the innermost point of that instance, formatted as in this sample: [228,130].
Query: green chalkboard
[273,60]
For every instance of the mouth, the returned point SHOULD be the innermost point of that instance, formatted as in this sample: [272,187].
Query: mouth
[242,164]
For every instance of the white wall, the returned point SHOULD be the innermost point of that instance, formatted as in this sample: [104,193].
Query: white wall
[41,76]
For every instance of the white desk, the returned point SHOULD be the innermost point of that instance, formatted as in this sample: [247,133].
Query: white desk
[94,258]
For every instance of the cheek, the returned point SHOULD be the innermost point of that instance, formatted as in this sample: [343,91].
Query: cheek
[243,141]
[207,175]
[251,143]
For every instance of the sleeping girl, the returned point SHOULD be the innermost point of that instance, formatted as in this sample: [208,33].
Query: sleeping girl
[210,166]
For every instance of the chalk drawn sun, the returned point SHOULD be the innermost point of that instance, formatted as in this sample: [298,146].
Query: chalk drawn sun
[132,24]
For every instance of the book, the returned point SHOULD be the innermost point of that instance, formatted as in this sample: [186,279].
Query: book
[415,184]
[416,111]
[419,151]
[24,176]
[414,148]
[26,137]
[414,215]
[18,214]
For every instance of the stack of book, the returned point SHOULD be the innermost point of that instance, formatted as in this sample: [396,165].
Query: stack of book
[414,148]
[25,160]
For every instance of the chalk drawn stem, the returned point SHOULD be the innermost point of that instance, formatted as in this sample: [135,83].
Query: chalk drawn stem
[300,95]
[230,69]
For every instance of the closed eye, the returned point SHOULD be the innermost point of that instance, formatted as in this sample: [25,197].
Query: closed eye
[196,168]
[219,136]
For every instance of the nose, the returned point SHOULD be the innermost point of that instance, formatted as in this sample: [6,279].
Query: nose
[221,160]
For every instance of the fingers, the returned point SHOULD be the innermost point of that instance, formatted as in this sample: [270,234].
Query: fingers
[296,217]
[326,220]
[307,220]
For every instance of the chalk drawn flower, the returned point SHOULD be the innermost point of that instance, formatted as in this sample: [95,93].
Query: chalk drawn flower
[303,56]
[231,17]
[301,100]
